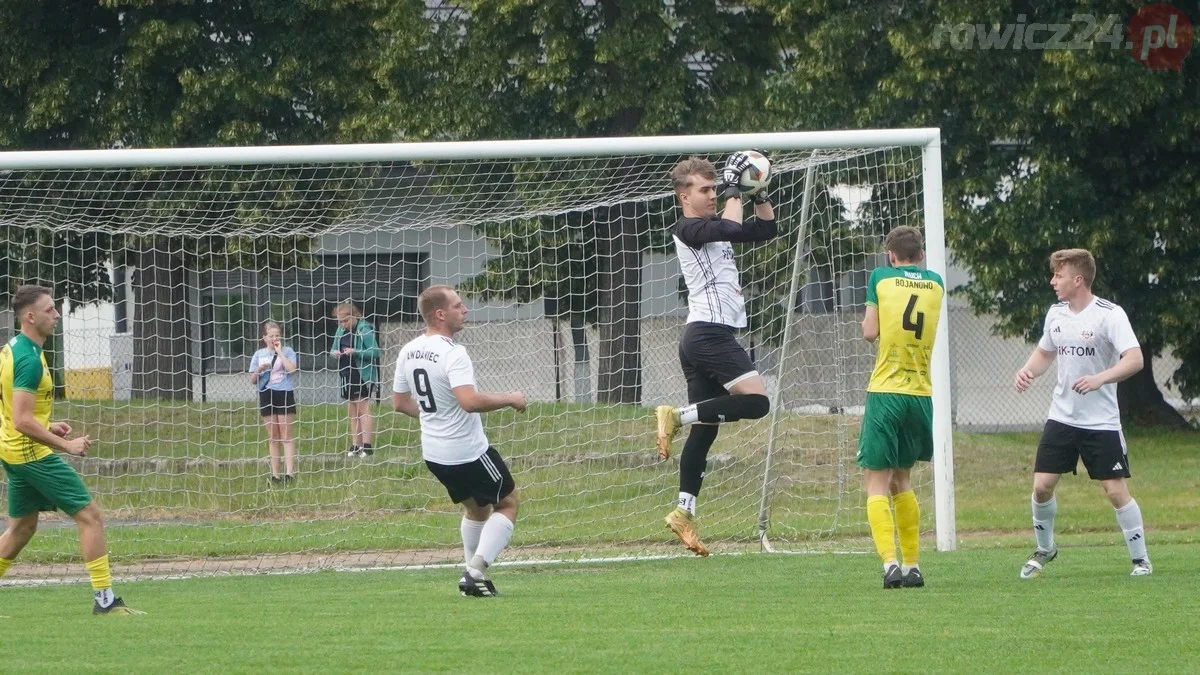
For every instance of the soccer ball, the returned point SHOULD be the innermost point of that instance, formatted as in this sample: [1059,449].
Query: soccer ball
[758,175]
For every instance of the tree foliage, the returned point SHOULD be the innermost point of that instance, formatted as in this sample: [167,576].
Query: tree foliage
[1042,149]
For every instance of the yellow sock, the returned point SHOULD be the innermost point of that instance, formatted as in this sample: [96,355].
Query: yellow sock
[5,563]
[908,525]
[100,573]
[883,530]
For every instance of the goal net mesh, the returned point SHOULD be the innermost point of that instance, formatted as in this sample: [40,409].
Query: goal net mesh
[165,276]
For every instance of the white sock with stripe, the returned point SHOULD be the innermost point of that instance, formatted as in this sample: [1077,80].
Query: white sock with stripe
[1043,523]
[1129,518]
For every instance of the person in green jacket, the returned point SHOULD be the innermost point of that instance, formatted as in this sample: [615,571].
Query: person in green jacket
[357,352]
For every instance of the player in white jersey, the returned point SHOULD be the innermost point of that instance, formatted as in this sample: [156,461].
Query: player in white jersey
[1095,348]
[435,383]
[722,382]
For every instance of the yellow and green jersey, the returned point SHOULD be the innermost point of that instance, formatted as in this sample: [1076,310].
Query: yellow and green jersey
[909,300]
[23,368]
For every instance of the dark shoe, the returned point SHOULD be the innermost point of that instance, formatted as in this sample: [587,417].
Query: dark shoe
[477,588]
[914,578]
[117,607]
[276,479]
[366,450]
[354,451]
[289,477]
[892,578]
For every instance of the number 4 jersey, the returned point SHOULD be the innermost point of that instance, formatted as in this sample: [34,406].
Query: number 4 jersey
[909,300]
[429,368]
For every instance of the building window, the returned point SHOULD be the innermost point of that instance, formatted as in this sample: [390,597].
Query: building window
[233,327]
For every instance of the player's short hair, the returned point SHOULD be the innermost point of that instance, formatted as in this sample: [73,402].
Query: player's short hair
[681,174]
[26,295]
[348,307]
[1080,259]
[269,324]
[432,299]
[906,242]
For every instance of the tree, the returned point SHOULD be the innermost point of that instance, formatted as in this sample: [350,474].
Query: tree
[1042,149]
[554,70]
[133,73]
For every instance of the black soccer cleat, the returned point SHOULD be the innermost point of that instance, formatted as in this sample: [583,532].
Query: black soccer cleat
[476,588]
[117,607]
[365,450]
[914,579]
[893,578]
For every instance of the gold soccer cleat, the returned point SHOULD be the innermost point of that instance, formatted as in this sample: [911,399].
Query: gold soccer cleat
[684,527]
[668,425]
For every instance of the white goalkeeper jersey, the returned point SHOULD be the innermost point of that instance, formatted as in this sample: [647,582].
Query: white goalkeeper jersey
[704,247]
[429,368]
[1085,344]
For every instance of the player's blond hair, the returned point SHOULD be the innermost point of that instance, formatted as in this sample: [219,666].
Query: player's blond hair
[348,307]
[269,324]
[1080,260]
[681,174]
[432,299]
[906,242]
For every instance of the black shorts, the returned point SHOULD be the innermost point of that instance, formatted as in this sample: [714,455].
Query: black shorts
[486,479]
[359,391]
[275,402]
[712,360]
[1062,445]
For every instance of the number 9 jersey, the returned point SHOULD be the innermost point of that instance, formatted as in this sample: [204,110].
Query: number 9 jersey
[429,368]
[909,300]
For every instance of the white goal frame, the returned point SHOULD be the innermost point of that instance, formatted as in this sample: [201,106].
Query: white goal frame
[927,139]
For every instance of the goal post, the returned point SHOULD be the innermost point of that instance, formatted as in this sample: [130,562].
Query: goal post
[168,261]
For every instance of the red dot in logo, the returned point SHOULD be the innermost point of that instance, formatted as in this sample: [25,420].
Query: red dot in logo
[1159,36]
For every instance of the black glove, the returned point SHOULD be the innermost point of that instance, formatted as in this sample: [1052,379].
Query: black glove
[761,197]
[731,175]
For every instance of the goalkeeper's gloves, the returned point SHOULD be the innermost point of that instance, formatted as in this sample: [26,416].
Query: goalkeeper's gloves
[731,175]
[761,197]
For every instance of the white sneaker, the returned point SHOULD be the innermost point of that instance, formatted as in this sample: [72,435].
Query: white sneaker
[1032,568]
[1142,568]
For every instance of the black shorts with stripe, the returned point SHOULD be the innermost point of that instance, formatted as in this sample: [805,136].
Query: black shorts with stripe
[485,479]
[1103,451]
[712,360]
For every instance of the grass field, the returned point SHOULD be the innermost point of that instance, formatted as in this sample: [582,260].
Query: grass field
[751,613]
[735,611]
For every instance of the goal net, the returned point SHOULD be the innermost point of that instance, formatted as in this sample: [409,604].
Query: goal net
[166,263]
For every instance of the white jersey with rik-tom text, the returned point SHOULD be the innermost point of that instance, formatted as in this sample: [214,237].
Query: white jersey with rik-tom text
[714,290]
[1085,344]
[429,368]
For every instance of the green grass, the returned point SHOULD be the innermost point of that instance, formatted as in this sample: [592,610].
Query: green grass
[752,613]
[188,481]
[590,489]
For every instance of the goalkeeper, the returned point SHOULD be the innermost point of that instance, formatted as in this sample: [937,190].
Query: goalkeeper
[722,382]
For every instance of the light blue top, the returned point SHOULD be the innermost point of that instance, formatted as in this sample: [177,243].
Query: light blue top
[276,378]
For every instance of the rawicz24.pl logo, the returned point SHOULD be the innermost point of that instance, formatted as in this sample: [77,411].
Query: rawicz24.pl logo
[1158,36]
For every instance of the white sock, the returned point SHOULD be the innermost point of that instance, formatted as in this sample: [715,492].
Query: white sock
[1129,518]
[105,597]
[889,565]
[495,535]
[470,530]
[908,568]
[687,502]
[1043,523]
[688,415]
